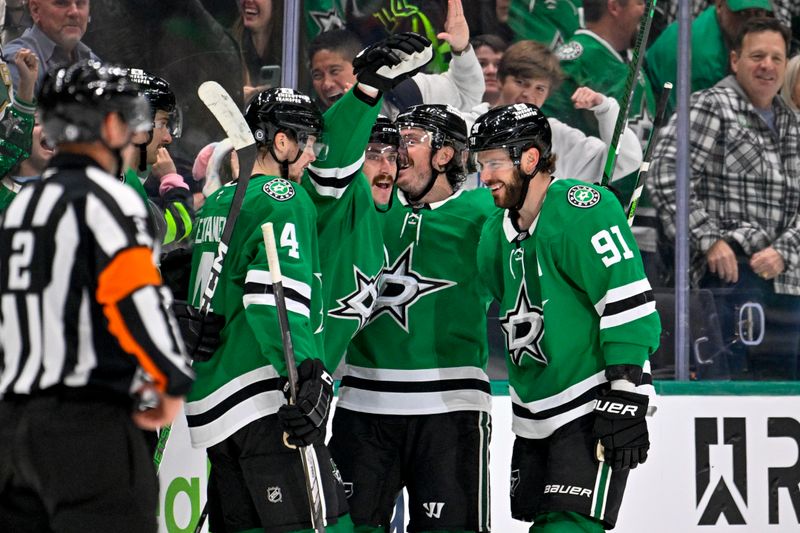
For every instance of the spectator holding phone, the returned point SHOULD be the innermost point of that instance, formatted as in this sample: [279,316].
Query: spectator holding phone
[259,42]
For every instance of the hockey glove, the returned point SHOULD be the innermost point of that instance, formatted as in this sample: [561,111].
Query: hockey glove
[201,335]
[621,428]
[385,64]
[304,422]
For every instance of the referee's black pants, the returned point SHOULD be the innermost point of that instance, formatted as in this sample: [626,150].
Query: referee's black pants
[74,465]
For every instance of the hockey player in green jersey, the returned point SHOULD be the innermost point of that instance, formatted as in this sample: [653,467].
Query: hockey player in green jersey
[415,393]
[16,121]
[350,240]
[173,212]
[598,57]
[237,408]
[579,319]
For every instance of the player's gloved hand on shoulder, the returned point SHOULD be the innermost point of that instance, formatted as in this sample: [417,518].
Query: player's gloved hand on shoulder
[621,428]
[386,63]
[304,422]
[201,335]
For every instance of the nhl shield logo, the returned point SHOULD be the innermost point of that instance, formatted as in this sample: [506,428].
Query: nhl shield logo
[583,196]
[280,189]
[274,495]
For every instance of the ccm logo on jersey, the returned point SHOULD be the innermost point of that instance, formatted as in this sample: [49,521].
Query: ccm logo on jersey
[567,489]
[615,408]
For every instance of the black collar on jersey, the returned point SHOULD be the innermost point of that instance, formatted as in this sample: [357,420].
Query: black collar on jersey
[404,200]
[64,160]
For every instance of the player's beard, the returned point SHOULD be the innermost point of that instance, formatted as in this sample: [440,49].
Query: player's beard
[511,192]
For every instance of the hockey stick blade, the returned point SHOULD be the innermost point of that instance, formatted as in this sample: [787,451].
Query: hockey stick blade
[227,113]
[308,457]
[232,121]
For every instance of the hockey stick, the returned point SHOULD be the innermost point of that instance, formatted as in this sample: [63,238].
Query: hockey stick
[661,112]
[658,122]
[230,118]
[307,455]
[630,87]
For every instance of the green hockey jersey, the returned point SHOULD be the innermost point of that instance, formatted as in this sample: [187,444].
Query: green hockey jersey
[573,299]
[16,125]
[549,22]
[241,381]
[425,349]
[173,223]
[710,55]
[348,225]
[588,60]
[8,191]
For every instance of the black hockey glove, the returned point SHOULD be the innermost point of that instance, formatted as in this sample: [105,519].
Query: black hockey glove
[621,428]
[304,422]
[201,335]
[385,64]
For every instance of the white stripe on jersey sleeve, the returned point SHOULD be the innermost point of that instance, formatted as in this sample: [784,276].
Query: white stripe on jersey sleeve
[338,190]
[55,295]
[338,172]
[87,358]
[47,200]
[263,277]
[630,315]
[620,293]
[15,213]
[269,299]
[148,303]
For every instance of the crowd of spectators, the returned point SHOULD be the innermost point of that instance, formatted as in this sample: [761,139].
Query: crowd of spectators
[745,160]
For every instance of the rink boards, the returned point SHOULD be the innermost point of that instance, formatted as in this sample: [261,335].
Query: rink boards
[718,463]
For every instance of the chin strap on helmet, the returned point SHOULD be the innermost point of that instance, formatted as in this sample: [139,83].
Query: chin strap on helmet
[516,156]
[284,163]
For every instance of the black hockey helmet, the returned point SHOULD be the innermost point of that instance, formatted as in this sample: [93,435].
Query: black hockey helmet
[161,97]
[384,131]
[74,101]
[283,109]
[515,127]
[443,121]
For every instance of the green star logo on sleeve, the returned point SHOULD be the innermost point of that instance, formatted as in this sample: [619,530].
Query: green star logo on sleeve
[583,196]
[280,189]
[569,51]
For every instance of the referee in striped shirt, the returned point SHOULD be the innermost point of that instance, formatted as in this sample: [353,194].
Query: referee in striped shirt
[84,323]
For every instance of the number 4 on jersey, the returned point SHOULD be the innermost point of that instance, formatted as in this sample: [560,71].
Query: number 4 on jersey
[289,238]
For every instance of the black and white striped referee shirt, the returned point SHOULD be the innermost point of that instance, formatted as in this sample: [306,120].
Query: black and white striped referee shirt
[81,301]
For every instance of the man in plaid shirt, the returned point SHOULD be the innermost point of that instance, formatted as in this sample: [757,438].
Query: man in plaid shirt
[744,224]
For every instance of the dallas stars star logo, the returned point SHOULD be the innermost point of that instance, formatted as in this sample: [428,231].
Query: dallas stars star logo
[523,328]
[358,305]
[326,20]
[401,288]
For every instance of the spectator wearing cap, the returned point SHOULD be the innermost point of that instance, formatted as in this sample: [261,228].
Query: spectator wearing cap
[713,32]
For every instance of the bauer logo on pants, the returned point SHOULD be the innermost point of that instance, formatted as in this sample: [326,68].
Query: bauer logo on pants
[280,189]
